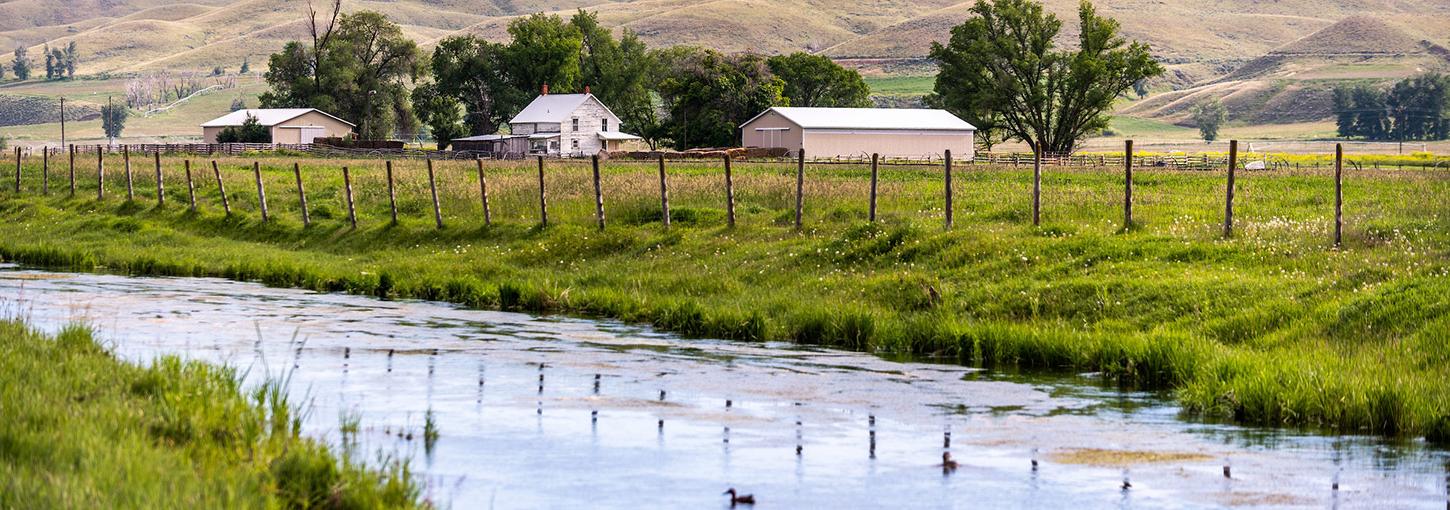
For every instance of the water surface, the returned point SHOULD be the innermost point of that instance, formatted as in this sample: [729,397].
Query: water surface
[568,413]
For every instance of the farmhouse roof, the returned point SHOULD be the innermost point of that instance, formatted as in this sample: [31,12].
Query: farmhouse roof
[265,116]
[551,108]
[915,119]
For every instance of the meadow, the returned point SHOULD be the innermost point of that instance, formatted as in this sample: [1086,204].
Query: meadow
[1273,325]
[84,429]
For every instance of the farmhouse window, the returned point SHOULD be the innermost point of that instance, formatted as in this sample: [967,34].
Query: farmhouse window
[576,124]
[606,124]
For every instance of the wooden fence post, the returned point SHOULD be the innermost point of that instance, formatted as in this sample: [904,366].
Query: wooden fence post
[800,186]
[126,158]
[100,174]
[190,186]
[543,204]
[160,186]
[1037,184]
[72,170]
[664,193]
[433,187]
[729,194]
[301,195]
[222,187]
[261,192]
[1338,194]
[598,192]
[948,159]
[347,187]
[392,193]
[1228,212]
[874,160]
[1127,185]
[483,193]
[45,171]
[17,170]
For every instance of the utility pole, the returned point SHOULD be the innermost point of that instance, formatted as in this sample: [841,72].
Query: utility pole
[106,123]
[62,122]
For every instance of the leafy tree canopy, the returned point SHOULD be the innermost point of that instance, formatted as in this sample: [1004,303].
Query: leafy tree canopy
[1002,69]
[814,80]
[1209,117]
[709,94]
[358,69]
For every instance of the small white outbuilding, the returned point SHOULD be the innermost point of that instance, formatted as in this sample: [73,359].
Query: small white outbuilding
[890,132]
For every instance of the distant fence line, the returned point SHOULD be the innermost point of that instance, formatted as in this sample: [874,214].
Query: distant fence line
[1128,161]
[1202,162]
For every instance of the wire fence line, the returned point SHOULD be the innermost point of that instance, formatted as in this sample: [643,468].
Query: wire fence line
[1087,187]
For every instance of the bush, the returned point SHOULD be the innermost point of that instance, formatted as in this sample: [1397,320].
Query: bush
[251,131]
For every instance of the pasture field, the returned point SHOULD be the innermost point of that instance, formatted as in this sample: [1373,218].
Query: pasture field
[84,429]
[1273,325]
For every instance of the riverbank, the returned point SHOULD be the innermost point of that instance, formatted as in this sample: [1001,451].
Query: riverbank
[1271,326]
[80,428]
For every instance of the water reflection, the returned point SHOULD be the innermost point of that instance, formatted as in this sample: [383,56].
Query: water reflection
[1035,440]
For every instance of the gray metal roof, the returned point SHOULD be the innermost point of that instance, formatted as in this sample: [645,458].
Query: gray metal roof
[551,108]
[915,119]
[265,116]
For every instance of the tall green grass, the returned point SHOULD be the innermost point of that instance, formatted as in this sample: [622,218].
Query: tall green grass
[81,429]
[1273,325]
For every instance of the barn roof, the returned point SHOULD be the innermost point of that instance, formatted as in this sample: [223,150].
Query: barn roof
[265,116]
[915,119]
[552,108]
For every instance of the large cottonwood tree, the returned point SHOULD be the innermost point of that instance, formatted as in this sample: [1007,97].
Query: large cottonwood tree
[1003,67]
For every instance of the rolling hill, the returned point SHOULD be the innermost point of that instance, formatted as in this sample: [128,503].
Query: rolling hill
[1269,61]
[131,35]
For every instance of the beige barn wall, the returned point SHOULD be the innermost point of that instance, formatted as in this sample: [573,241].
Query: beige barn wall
[331,127]
[790,139]
[209,134]
[900,144]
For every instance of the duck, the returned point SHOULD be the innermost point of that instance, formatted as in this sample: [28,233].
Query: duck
[947,464]
[739,499]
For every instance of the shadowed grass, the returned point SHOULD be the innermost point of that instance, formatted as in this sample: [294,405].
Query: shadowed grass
[1273,325]
[83,429]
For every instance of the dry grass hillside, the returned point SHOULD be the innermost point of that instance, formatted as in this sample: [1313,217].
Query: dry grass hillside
[1294,82]
[131,35]
[1269,61]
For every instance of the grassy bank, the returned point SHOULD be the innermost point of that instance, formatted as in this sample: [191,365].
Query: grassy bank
[1273,325]
[81,429]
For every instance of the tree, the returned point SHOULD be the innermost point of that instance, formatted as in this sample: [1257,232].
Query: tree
[473,72]
[708,94]
[1003,61]
[1209,116]
[251,131]
[544,51]
[57,57]
[1140,88]
[618,72]
[246,66]
[21,65]
[359,66]
[442,113]
[71,57]
[1416,108]
[49,62]
[239,104]
[113,120]
[814,80]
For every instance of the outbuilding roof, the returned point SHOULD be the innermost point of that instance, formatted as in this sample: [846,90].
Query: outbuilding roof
[915,119]
[553,108]
[265,116]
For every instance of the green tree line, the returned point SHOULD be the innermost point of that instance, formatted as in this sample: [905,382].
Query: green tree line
[1416,108]
[360,66]
[1001,70]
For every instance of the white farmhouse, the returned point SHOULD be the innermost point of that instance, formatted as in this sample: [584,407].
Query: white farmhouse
[569,125]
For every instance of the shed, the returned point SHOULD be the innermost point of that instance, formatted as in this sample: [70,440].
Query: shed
[287,125]
[890,132]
